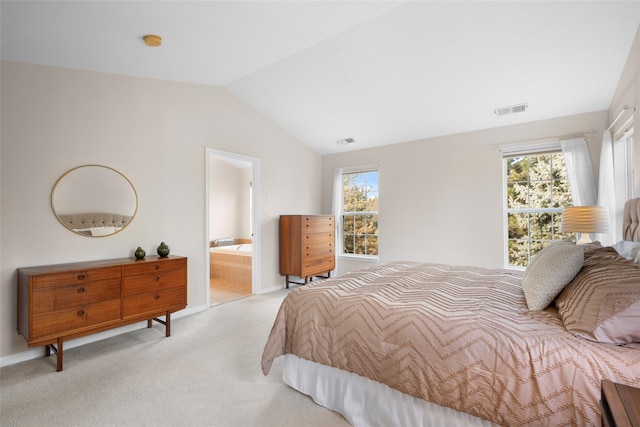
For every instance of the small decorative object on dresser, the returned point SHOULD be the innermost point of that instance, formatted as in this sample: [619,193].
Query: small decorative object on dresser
[307,246]
[163,249]
[64,301]
[140,253]
[620,405]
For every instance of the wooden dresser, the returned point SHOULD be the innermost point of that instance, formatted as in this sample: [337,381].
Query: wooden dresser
[307,246]
[59,302]
[620,405]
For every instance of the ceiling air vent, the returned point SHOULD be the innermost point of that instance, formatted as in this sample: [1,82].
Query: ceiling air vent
[512,109]
[346,141]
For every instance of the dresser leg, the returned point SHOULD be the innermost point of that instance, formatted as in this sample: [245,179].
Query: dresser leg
[168,324]
[287,281]
[59,354]
[57,349]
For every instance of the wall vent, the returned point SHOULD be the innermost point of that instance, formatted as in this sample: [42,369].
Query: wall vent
[346,141]
[512,109]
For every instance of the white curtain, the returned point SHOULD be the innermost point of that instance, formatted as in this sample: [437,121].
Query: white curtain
[336,207]
[580,172]
[606,187]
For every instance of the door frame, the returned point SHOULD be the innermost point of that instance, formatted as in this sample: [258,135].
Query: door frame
[255,223]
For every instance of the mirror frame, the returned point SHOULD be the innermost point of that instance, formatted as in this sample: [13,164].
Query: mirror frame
[55,186]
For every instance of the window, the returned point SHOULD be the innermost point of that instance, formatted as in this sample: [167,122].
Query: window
[537,188]
[360,213]
[623,172]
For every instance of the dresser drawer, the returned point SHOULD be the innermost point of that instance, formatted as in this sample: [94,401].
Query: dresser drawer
[321,265]
[75,277]
[66,321]
[154,302]
[316,252]
[316,224]
[319,237]
[46,299]
[154,266]
[153,282]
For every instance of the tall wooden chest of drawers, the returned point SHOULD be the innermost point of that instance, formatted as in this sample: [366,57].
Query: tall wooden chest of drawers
[307,246]
[59,302]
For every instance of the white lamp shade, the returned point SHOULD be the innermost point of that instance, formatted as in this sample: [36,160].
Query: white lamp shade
[585,219]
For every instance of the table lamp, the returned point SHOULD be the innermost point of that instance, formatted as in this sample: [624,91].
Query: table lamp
[585,220]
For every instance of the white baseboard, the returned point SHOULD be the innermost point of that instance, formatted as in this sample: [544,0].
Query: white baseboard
[34,353]
[270,289]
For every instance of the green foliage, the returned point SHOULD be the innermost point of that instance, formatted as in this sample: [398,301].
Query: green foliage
[360,218]
[535,183]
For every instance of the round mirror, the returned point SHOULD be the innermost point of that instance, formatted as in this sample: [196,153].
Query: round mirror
[94,200]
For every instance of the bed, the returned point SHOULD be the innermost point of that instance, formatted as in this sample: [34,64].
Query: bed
[410,343]
[231,260]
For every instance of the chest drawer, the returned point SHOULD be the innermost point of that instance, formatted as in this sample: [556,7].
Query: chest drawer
[320,265]
[74,295]
[316,224]
[154,266]
[317,238]
[154,301]
[75,277]
[68,320]
[153,282]
[316,252]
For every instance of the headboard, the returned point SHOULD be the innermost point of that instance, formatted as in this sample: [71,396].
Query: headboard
[85,221]
[631,220]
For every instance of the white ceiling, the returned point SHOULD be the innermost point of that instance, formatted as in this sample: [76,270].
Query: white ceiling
[380,72]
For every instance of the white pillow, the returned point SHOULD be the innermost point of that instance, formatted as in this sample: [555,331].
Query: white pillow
[628,249]
[102,231]
[549,272]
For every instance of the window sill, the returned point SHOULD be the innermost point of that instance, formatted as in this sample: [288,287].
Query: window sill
[360,258]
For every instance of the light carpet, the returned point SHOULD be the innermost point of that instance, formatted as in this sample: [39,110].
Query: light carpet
[206,374]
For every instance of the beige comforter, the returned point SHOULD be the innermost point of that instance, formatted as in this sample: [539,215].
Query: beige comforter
[461,337]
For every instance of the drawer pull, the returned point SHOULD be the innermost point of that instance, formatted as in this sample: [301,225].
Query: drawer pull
[156,297]
[157,278]
[81,276]
[156,267]
[80,313]
[80,290]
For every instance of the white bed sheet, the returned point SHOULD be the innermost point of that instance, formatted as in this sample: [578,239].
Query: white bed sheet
[366,403]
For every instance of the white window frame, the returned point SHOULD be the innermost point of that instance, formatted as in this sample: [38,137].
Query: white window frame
[623,171]
[515,150]
[341,213]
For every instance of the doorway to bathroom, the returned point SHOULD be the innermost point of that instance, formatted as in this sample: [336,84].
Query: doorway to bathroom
[231,233]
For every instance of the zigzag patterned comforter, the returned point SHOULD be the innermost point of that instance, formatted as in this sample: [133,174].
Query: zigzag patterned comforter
[461,337]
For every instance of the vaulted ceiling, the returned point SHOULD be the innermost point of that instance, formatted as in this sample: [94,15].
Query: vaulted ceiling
[380,72]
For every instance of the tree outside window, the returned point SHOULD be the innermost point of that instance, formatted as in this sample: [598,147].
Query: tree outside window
[537,190]
[360,213]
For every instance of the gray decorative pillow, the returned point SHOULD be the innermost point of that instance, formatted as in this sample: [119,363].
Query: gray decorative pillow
[549,272]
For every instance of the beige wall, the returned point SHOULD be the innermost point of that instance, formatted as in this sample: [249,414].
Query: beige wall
[228,200]
[628,94]
[154,132]
[441,199]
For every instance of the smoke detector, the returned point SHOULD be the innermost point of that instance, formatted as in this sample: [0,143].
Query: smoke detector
[346,141]
[512,109]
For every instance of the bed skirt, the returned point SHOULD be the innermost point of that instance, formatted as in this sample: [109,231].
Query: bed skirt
[366,403]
